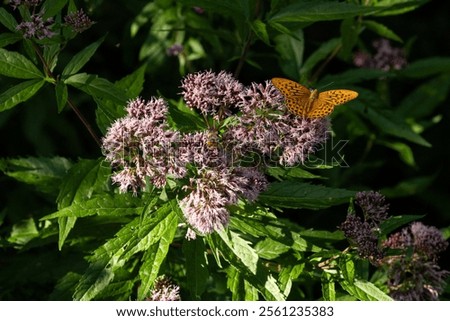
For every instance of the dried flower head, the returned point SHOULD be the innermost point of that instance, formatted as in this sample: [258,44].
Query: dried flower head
[164,290]
[362,231]
[78,21]
[373,205]
[37,27]
[414,274]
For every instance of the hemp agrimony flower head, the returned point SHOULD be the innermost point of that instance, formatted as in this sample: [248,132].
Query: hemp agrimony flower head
[362,231]
[78,21]
[26,3]
[266,128]
[212,94]
[386,57]
[414,274]
[164,290]
[141,145]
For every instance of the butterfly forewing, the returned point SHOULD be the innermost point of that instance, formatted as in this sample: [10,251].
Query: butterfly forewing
[296,96]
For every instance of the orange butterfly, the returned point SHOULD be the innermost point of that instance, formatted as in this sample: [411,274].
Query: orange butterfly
[310,103]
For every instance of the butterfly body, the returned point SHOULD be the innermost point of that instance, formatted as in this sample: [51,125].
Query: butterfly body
[308,103]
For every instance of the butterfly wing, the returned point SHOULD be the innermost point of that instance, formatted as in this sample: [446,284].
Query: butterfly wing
[295,95]
[327,100]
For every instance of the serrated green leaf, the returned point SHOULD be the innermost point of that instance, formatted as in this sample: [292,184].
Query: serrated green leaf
[133,83]
[281,173]
[381,30]
[20,93]
[287,274]
[241,290]
[97,87]
[8,38]
[8,20]
[83,180]
[80,59]
[62,95]
[46,174]
[102,204]
[13,64]
[314,11]
[153,259]
[241,248]
[291,194]
[107,112]
[196,266]
[270,249]
[394,222]
[347,267]
[365,291]
[137,236]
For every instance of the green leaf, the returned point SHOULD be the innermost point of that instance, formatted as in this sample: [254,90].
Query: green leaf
[290,50]
[426,67]
[404,151]
[302,195]
[108,111]
[133,83]
[314,11]
[80,59]
[20,93]
[349,36]
[83,180]
[52,7]
[347,267]
[394,222]
[156,254]
[102,204]
[260,29]
[270,249]
[381,30]
[365,291]
[324,50]
[66,224]
[46,174]
[240,254]
[423,101]
[237,9]
[287,274]
[328,287]
[13,64]
[97,87]
[137,236]
[185,119]
[8,38]
[397,7]
[23,232]
[61,95]
[8,20]
[241,290]
[391,124]
[196,267]
[281,173]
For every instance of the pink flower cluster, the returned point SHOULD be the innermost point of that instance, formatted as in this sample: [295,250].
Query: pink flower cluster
[245,129]
[385,58]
